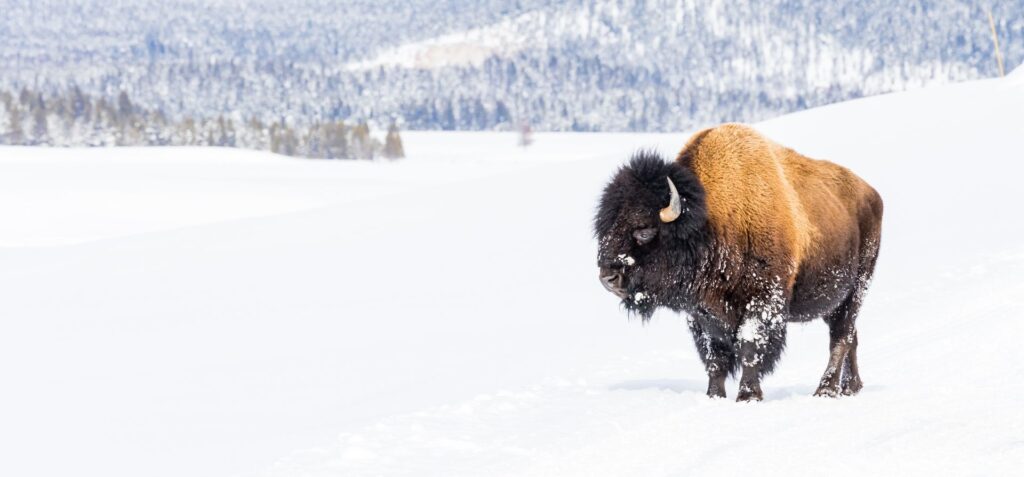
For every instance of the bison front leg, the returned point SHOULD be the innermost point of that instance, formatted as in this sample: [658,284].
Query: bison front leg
[760,338]
[717,355]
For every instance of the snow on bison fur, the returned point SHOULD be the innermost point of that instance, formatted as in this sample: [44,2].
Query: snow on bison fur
[743,235]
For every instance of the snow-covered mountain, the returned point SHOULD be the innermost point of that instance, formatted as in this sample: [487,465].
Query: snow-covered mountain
[579,65]
[215,312]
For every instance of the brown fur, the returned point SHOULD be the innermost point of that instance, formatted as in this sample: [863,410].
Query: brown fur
[769,200]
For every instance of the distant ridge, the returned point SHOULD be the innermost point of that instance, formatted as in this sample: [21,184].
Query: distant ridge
[609,65]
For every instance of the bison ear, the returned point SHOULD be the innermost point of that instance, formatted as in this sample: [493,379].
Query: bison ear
[675,206]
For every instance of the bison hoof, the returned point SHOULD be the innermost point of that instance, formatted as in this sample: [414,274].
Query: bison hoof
[716,386]
[852,387]
[827,391]
[747,394]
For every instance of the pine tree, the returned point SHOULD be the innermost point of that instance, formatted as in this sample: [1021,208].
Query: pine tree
[40,126]
[79,103]
[393,143]
[232,134]
[336,141]
[186,135]
[313,142]
[254,135]
[124,105]
[4,119]
[15,136]
[361,141]
[275,139]
[225,132]
[25,97]
[289,142]
[525,134]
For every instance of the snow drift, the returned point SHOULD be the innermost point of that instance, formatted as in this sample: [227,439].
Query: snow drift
[210,312]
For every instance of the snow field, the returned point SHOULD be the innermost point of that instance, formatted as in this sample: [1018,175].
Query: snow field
[210,312]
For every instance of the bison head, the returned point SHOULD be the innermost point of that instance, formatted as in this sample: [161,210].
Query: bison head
[651,231]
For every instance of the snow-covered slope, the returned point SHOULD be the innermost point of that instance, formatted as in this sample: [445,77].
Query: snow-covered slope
[568,65]
[211,313]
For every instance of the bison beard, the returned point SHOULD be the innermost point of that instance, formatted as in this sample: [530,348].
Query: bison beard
[738,284]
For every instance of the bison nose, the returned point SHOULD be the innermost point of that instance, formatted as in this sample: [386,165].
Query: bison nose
[614,282]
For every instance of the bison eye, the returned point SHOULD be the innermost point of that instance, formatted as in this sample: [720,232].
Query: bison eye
[644,236]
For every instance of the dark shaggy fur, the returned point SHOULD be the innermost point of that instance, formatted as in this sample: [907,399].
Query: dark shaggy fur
[631,202]
[736,290]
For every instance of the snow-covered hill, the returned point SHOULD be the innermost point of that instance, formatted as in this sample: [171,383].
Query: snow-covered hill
[570,65]
[210,312]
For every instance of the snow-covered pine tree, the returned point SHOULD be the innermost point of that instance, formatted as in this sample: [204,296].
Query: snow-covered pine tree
[40,124]
[362,143]
[393,148]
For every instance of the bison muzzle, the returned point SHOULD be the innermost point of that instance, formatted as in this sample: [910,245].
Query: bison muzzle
[743,236]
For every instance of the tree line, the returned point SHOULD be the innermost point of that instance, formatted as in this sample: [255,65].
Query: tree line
[580,65]
[72,118]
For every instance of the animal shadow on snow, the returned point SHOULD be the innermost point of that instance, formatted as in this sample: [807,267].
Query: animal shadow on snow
[700,386]
[674,385]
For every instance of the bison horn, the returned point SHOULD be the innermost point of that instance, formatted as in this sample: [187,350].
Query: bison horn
[675,207]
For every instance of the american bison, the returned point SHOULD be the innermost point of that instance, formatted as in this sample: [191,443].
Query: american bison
[743,235]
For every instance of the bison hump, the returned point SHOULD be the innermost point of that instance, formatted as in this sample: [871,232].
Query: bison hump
[753,207]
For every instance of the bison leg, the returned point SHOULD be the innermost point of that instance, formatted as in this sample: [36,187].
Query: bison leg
[841,374]
[851,383]
[761,338]
[842,324]
[716,354]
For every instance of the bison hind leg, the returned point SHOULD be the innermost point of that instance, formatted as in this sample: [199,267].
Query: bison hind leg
[842,375]
[850,383]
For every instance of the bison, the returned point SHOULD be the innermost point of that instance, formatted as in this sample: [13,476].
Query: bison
[743,236]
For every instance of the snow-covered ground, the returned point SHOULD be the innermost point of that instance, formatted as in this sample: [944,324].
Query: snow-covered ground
[204,312]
